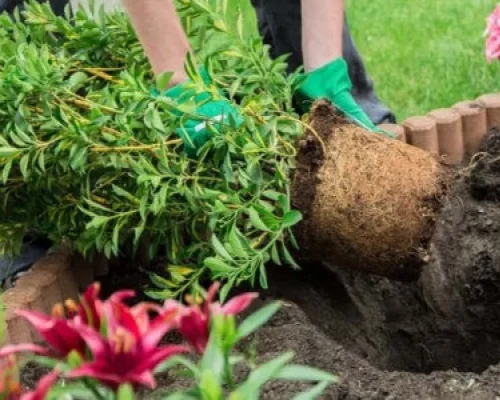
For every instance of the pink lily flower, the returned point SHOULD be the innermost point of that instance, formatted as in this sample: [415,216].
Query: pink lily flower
[493,35]
[193,321]
[130,352]
[58,330]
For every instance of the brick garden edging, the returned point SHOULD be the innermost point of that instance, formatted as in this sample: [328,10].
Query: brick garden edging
[451,133]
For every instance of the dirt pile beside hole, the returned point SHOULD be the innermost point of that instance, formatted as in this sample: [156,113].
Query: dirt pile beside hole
[370,202]
[435,338]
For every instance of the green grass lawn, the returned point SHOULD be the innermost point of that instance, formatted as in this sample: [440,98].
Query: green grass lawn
[424,54]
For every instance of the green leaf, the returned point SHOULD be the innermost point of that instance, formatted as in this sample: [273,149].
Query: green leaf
[6,171]
[288,257]
[163,80]
[263,276]
[125,392]
[275,257]
[23,165]
[257,221]
[97,222]
[236,245]
[41,161]
[123,193]
[294,372]
[291,218]
[226,289]
[313,393]
[175,361]
[77,80]
[263,374]
[258,319]
[218,266]
[116,235]
[181,396]
[220,249]
[210,385]
[78,160]
[70,390]
[45,361]
[213,358]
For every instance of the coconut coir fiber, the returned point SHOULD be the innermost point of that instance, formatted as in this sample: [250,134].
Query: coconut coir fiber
[369,202]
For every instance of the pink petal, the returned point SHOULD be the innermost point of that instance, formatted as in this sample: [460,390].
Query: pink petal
[158,328]
[96,343]
[56,332]
[194,327]
[119,315]
[23,348]
[238,304]
[141,313]
[212,291]
[150,361]
[96,371]
[120,296]
[145,378]
[89,306]
[43,387]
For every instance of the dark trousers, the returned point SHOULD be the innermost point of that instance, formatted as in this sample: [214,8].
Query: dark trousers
[280,25]
[10,5]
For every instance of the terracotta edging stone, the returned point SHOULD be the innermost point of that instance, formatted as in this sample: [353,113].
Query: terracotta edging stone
[48,282]
[492,104]
[474,125]
[60,264]
[422,132]
[450,137]
[17,328]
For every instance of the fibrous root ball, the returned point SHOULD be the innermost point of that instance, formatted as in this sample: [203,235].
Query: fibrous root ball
[369,202]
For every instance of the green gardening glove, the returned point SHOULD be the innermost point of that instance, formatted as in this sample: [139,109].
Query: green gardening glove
[332,82]
[211,112]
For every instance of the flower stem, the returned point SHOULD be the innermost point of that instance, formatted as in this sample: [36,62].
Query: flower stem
[93,389]
[228,371]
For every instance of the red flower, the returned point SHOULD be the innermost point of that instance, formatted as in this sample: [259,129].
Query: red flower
[57,329]
[57,332]
[130,352]
[43,387]
[194,320]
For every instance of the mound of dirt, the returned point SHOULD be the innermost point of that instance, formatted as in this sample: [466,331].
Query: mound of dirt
[434,338]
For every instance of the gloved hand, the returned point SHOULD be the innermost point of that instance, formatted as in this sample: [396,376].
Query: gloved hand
[216,112]
[332,82]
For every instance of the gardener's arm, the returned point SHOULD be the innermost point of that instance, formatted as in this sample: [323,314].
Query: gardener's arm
[161,34]
[322,24]
[326,71]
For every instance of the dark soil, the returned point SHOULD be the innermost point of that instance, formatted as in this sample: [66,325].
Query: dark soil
[434,338]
